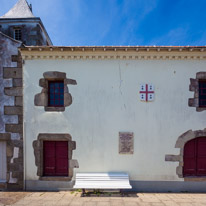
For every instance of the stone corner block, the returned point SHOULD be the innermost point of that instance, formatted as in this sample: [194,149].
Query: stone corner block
[15,91]
[5,136]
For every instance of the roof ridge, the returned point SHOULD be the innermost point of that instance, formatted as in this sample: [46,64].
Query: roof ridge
[20,10]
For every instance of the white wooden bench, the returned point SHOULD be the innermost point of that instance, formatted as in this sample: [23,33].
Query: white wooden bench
[111,180]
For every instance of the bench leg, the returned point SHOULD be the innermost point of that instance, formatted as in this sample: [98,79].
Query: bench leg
[122,194]
[83,193]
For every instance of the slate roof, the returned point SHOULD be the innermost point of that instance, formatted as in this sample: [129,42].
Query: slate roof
[20,10]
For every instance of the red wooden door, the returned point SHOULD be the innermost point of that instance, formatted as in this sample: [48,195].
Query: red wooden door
[55,158]
[195,157]
[49,158]
[201,156]
[62,158]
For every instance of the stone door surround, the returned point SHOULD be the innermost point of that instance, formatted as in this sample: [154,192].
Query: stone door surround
[180,143]
[38,153]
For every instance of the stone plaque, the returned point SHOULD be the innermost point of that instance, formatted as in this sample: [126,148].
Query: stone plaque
[126,143]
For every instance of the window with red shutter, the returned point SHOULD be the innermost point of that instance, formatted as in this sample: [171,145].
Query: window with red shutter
[55,158]
[195,157]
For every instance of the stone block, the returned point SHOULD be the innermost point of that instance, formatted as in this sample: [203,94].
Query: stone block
[17,82]
[71,81]
[54,109]
[9,152]
[14,186]
[13,167]
[18,160]
[67,99]
[16,91]
[5,136]
[43,83]
[14,58]
[19,101]
[179,170]
[41,99]
[18,143]
[16,174]
[172,158]
[73,145]
[191,102]
[14,128]
[10,72]
[201,75]
[54,75]
[73,164]
[10,110]
[20,119]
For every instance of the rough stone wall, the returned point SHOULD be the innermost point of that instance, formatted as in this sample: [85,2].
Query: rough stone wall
[11,110]
[31,32]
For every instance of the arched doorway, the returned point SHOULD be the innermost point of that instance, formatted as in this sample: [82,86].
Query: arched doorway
[195,157]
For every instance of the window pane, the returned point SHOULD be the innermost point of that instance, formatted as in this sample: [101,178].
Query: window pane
[56,92]
[56,102]
[61,102]
[202,93]
[51,96]
[51,102]
[61,96]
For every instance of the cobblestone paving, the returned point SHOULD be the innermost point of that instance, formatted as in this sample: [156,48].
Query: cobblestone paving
[75,199]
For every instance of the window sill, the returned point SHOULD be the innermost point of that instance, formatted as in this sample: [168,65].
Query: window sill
[55,178]
[54,109]
[195,179]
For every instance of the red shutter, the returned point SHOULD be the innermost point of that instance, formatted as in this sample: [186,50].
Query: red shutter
[201,156]
[190,158]
[49,158]
[55,158]
[62,158]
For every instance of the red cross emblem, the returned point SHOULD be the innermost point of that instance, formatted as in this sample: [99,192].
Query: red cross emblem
[146,92]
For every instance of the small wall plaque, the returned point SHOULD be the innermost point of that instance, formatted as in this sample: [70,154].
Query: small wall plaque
[126,143]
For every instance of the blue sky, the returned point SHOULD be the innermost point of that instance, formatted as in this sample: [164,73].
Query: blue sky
[121,22]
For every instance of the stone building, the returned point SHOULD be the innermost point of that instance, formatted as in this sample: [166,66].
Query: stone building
[18,27]
[133,109]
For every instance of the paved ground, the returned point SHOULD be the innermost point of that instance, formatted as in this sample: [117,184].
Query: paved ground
[108,199]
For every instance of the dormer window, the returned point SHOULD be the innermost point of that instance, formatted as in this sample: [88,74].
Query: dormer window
[17,34]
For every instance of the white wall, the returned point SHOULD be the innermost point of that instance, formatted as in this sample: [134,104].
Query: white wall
[105,102]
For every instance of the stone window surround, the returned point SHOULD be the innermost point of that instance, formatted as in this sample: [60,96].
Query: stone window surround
[41,99]
[194,87]
[180,143]
[38,153]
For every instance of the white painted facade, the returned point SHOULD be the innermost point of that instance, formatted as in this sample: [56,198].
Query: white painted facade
[106,101]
